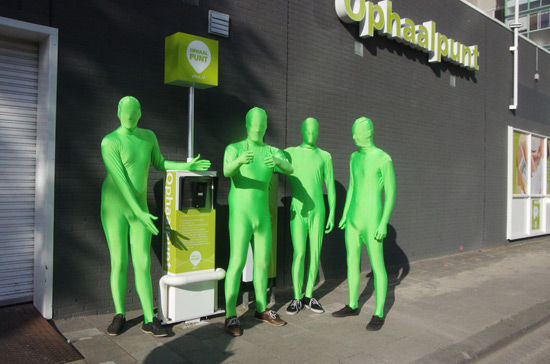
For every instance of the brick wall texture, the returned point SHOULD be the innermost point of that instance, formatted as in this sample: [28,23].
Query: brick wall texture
[295,59]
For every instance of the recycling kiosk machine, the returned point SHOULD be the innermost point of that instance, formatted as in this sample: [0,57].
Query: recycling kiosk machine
[189,286]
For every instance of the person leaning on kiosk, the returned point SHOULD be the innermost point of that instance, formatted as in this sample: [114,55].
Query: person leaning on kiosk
[127,153]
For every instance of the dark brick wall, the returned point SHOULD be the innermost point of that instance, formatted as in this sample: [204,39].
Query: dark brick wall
[295,59]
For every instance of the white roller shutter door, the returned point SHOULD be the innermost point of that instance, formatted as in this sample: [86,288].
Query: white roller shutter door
[18,124]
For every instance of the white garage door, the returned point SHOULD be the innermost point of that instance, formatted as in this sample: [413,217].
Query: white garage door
[18,117]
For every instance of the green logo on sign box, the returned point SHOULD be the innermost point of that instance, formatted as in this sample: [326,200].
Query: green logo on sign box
[191,61]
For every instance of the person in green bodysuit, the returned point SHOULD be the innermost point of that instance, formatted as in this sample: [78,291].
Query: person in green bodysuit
[371,170]
[250,164]
[312,166]
[127,153]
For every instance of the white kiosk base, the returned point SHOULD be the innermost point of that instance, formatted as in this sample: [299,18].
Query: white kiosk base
[189,296]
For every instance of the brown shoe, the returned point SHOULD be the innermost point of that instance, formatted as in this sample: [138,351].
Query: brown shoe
[233,326]
[270,316]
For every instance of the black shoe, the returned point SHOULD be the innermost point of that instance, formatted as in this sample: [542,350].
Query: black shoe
[154,328]
[115,328]
[375,323]
[313,305]
[233,326]
[346,311]
[294,307]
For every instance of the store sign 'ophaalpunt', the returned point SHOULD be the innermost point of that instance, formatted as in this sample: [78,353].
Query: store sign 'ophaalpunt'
[381,18]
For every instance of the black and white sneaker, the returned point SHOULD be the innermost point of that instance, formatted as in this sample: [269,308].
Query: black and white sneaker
[294,307]
[115,328]
[155,328]
[313,305]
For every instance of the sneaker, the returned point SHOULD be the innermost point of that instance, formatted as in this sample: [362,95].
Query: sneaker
[375,323]
[154,328]
[313,305]
[294,307]
[233,326]
[271,317]
[115,328]
[346,311]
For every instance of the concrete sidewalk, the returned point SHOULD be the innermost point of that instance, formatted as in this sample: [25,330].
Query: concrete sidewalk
[445,310]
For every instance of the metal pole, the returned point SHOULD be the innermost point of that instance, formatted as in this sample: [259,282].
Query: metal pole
[516,25]
[191,130]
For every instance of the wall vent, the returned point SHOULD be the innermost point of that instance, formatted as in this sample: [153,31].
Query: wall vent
[218,24]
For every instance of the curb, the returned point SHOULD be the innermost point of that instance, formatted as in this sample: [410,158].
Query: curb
[492,338]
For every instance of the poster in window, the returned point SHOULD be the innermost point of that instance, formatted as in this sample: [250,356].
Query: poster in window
[521,166]
[535,215]
[537,165]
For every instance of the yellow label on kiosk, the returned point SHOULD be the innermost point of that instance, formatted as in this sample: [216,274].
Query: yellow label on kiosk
[191,243]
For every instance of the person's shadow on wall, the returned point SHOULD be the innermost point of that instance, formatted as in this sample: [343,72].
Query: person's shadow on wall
[397,268]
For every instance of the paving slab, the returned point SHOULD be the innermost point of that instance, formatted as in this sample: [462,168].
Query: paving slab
[451,309]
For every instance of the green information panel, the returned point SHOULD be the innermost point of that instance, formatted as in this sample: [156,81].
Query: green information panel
[535,215]
[190,234]
[191,61]
[194,249]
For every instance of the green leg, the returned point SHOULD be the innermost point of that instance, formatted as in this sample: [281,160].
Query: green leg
[115,226]
[376,256]
[353,249]
[316,231]
[240,233]
[298,230]
[262,253]
[140,244]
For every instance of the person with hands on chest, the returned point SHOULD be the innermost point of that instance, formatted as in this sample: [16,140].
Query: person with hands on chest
[250,165]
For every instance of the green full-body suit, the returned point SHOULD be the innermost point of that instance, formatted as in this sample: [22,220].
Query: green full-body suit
[371,170]
[250,165]
[127,153]
[312,166]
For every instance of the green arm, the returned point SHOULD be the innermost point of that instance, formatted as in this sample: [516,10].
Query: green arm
[331,195]
[389,199]
[281,163]
[232,162]
[195,165]
[115,169]
[161,164]
[349,194]
[277,160]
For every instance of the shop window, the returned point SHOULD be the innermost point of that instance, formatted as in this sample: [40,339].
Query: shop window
[528,187]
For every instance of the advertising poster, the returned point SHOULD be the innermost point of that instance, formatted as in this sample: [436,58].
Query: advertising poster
[537,165]
[520,160]
[547,167]
[535,215]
